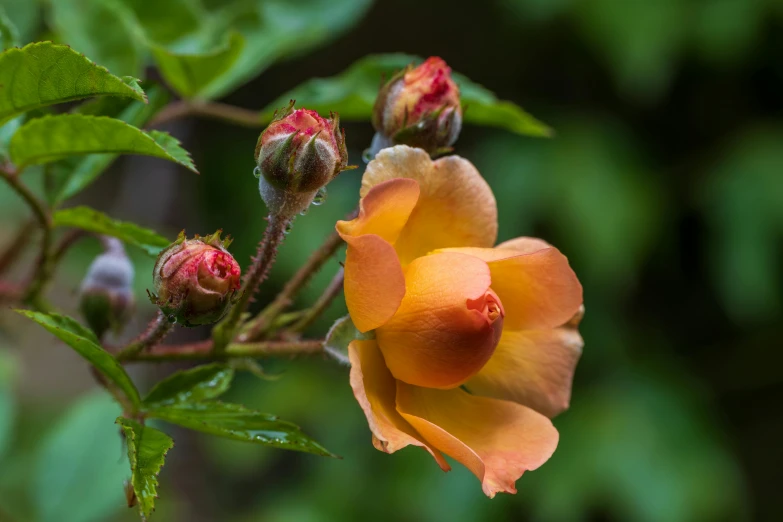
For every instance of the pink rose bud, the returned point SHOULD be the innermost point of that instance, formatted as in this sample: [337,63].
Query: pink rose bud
[298,154]
[195,280]
[419,107]
[106,297]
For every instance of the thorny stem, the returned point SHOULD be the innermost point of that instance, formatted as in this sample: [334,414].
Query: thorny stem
[44,266]
[210,110]
[204,350]
[155,332]
[293,286]
[256,273]
[332,290]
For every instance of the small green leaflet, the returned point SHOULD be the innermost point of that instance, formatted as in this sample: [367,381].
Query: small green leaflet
[340,336]
[44,73]
[193,385]
[84,342]
[52,138]
[352,94]
[147,448]
[77,172]
[91,220]
[190,74]
[236,422]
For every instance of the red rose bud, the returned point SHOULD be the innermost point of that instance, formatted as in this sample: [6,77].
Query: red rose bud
[298,154]
[420,107]
[195,280]
[106,297]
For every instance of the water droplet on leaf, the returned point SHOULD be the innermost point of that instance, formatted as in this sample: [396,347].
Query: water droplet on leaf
[257,172]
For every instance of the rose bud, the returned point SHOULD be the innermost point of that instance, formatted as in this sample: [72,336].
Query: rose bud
[419,107]
[298,154]
[106,297]
[195,280]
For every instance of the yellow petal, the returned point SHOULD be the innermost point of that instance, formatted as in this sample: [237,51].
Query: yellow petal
[456,207]
[447,324]
[537,287]
[374,283]
[532,367]
[496,440]
[375,389]
[384,210]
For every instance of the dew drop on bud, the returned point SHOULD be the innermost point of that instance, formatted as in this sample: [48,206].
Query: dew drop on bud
[367,155]
[257,172]
[320,197]
[172,319]
[288,227]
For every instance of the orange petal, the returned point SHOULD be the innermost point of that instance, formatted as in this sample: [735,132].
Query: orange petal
[538,288]
[447,324]
[456,207]
[524,245]
[532,367]
[374,282]
[496,440]
[384,210]
[375,389]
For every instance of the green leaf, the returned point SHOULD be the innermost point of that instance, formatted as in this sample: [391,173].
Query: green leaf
[147,448]
[190,74]
[84,342]
[51,138]
[74,174]
[91,220]
[236,422]
[278,29]
[340,336]
[79,471]
[105,30]
[193,385]
[44,73]
[352,94]
[9,34]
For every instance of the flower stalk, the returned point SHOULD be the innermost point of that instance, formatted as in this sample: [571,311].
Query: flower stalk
[204,350]
[265,257]
[157,330]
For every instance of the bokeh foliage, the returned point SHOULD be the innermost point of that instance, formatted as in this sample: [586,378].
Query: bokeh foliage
[663,185]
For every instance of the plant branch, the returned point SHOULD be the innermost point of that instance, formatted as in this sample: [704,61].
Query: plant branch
[15,248]
[331,291]
[210,110]
[44,266]
[256,273]
[285,298]
[155,332]
[204,350]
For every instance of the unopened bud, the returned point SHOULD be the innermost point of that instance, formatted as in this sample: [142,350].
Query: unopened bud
[106,296]
[196,280]
[298,154]
[419,107]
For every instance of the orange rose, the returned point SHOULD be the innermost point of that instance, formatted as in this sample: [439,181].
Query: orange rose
[475,347]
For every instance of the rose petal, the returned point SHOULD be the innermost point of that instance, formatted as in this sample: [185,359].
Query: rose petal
[441,334]
[538,289]
[496,440]
[375,390]
[455,208]
[532,367]
[384,210]
[374,283]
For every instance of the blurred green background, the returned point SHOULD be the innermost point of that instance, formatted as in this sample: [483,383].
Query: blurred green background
[663,186]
